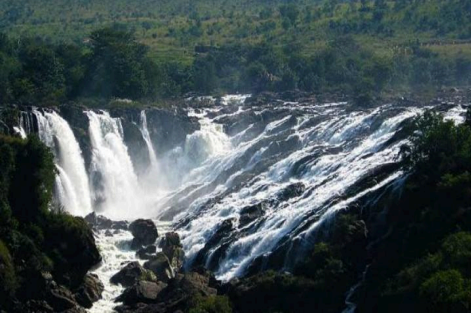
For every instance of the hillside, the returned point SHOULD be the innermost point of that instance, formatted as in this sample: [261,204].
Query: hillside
[55,51]
[173,28]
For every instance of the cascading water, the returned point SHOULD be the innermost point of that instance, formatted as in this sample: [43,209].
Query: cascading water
[23,129]
[252,182]
[116,191]
[146,137]
[72,185]
[324,148]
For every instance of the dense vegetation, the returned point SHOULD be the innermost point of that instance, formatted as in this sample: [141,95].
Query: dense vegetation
[429,244]
[157,49]
[35,240]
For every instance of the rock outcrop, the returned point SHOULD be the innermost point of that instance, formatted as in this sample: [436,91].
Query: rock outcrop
[161,267]
[173,249]
[90,291]
[141,292]
[146,253]
[132,273]
[176,296]
[100,222]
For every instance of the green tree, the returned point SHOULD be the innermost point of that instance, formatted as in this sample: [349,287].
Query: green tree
[118,66]
[290,12]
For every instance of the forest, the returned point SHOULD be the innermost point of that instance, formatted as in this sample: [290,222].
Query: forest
[366,49]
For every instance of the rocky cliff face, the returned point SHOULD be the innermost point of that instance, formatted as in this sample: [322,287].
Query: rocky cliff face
[168,128]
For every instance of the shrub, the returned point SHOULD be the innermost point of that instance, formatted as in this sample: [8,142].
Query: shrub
[8,282]
[211,304]
[445,287]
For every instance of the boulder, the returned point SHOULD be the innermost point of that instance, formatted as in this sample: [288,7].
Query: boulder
[123,225]
[98,221]
[292,191]
[170,239]
[90,291]
[160,266]
[141,292]
[144,232]
[177,296]
[251,213]
[132,273]
[176,256]
[172,248]
[146,252]
[181,290]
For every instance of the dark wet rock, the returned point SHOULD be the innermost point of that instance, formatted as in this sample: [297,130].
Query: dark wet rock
[61,299]
[99,222]
[175,296]
[136,244]
[172,248]
[139,308]
[176,256]
[292,191]
[141,292]
[108,233]
[35,306]
[147,252]
[122,225]
[90,291]
[261,99]
[144,232]
[171,239]
[217,239]
[251,213]
[180,292]
[132,273]
[161,267]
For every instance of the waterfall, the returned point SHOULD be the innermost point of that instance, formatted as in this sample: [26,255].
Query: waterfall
[241,157]
[325,148]
[20,130]
[72,183]
[116,189]
[24,127]
[146,137]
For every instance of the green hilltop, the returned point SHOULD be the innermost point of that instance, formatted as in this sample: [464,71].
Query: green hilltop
[365,48]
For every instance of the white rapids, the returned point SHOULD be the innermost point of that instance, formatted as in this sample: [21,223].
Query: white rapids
[115,252]
[242,156]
